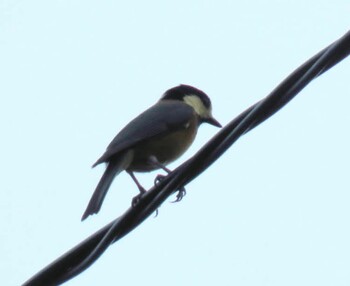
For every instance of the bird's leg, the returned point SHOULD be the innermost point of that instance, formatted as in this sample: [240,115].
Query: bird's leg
[142,190]
[152,160]
[181,192]
[136,199]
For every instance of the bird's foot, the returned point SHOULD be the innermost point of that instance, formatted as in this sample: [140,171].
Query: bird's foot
[158,179]
[180,194]
[137,198]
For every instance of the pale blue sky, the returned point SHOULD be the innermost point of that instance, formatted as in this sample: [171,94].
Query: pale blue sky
[274,210]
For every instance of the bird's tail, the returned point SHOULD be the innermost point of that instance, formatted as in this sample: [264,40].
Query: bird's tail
[113,169]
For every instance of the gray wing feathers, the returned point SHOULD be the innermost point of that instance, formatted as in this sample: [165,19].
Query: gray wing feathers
[158,120]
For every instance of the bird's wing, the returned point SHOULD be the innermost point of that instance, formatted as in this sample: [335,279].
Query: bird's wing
[158,120]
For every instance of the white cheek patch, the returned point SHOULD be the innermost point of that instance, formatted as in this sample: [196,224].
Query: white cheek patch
[197,105]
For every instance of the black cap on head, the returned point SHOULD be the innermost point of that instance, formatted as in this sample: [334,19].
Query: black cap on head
[178,93]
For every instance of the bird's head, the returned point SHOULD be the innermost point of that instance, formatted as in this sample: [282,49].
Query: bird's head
[195,98]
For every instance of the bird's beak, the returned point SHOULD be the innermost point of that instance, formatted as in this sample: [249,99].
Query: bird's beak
[212,121]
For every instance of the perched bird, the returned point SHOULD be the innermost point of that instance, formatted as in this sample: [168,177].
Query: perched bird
[154,139]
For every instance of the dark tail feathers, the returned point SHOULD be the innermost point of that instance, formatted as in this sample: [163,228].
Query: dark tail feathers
[113,169]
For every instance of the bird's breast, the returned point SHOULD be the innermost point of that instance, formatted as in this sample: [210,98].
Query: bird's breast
[166,148]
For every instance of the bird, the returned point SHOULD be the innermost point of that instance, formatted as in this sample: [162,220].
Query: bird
[155,138]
